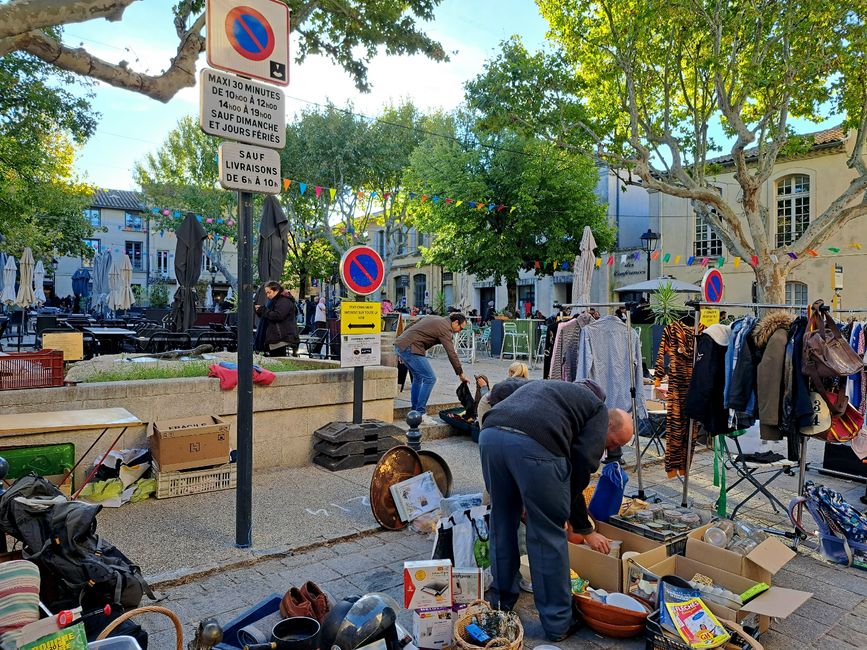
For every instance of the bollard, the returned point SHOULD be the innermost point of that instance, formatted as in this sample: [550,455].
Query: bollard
[413,436]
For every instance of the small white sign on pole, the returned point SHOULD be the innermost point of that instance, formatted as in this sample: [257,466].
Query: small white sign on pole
[250,39]
[249,169]
[360,350]
[241,109]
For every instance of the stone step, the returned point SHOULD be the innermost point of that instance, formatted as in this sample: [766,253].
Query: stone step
[433,409]
[429,431]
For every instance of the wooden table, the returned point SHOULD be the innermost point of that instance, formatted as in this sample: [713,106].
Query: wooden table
[90,425]
[112,336]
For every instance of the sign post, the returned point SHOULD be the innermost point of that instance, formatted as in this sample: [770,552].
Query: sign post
[251,40]
[363,273]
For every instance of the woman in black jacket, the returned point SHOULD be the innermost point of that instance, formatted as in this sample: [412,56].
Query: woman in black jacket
[278,318]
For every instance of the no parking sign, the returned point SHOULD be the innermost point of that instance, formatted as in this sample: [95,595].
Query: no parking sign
[250,38]
[712,286]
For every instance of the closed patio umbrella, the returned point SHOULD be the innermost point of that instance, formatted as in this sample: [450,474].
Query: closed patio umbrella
[188,267]
[126,297]
[582,276]
[2,266]
[102,265]
[114,286]
[81,282]
[25,297]
[209,297]
[10,271]
[273,245]
[39,283]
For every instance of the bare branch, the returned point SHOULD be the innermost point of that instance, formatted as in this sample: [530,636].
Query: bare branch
[21,16]
[181,73]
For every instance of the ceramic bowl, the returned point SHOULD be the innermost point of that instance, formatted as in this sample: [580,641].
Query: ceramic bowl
[593,610]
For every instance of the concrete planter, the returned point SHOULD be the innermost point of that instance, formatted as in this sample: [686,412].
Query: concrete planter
[286,413]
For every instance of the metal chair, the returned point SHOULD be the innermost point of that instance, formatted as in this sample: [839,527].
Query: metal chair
[165,341]
[218,340]
[484,341]
[543,334]
[754,473]
[316,341]
[510,332]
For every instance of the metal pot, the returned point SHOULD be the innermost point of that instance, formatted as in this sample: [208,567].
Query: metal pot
[295,633]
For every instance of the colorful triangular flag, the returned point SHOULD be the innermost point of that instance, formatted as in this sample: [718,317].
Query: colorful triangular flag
[690,261]
[318,190]
[677,259]
[512,209]
[598,263]
[302,187]
[811,252]
[654,255]
[737,261]
[666,257]
[610,260]
[436,199]
[472,204]
[286,183]
[623,258]
[754,260]
[424,197]
[458,202]
[792,255]
[333,192]
[774,258]
[833,249]
[720,262]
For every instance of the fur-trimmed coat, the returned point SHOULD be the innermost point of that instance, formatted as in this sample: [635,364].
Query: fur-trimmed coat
[770,336]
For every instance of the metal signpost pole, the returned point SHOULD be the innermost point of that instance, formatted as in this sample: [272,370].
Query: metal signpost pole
[358,385]
[244,492]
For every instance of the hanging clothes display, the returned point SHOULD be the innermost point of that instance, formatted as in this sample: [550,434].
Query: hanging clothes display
[678,343]
[741,361]
[770,336]
[603,356]
[565,349]
[704,400]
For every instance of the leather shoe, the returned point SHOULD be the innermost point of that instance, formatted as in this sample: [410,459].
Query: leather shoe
[574,626]
[311,592]
[295,604]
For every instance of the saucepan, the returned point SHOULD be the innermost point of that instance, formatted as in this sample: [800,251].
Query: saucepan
[295,633]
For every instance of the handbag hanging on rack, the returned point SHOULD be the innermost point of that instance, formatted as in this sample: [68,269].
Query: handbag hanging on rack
[828,356]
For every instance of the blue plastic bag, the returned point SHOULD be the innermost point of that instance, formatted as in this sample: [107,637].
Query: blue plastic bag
[608,496]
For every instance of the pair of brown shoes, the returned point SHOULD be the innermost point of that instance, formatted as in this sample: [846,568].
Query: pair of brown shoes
[308,601]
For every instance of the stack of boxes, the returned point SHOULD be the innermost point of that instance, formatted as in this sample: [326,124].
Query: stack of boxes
[435,592]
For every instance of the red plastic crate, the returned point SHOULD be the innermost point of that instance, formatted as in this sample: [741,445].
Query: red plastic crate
[43,369]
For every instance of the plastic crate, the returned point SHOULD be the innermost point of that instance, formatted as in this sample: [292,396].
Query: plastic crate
[45,460]
[657,639]
[43,369]
[115,643]
[196,481]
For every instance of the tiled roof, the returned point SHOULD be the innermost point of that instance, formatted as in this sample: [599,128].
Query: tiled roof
[118,200]
[834,135]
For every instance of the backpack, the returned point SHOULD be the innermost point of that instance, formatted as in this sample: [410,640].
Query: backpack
[60,537]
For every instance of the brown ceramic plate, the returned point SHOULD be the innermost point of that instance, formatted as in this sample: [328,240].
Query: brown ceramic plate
[614,631]
[594,610]
[435,464]
[396,465]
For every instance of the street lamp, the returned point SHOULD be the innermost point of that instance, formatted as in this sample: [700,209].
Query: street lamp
[648,245]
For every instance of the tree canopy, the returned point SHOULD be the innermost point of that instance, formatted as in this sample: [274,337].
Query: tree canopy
[41,123]
[527,202]
[640,85]
[348,32]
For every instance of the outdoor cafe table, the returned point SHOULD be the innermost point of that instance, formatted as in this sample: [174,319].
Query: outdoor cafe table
[110,338]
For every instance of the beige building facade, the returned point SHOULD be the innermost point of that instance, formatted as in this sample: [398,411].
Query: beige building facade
[798,191]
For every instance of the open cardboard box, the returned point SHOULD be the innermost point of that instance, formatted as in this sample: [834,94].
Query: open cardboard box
[606,572]
[776,602]
[761,564]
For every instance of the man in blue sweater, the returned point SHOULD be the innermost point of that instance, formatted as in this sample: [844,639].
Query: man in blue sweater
[539,447]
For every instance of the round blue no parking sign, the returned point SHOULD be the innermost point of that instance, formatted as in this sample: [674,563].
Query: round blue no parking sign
[250,33]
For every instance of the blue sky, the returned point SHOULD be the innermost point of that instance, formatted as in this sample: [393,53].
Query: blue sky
[133,125]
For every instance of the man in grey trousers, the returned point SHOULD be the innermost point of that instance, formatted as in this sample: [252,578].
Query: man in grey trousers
[539,447]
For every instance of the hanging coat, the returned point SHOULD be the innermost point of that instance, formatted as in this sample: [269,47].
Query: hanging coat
[770,337]
[704,401]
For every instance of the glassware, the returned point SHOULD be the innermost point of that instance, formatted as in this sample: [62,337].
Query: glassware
[716,537]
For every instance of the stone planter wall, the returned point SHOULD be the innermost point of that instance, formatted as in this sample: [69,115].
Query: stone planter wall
[286,413]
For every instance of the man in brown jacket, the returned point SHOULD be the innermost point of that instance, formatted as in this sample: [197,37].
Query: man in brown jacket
[412,345]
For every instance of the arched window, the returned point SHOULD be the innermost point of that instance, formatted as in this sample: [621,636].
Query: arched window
[796,293]
[793,208]
[707,242]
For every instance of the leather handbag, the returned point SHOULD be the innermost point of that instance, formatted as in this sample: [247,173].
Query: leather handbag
[828,356]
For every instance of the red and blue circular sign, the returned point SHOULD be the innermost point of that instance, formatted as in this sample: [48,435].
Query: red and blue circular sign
[712,286]
[362,270]
[250,33]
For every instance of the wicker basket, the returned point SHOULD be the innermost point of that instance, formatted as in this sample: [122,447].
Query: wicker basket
[196,481]
[147,609]
[481,607]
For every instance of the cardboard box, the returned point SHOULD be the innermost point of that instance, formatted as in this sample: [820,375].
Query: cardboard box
[190,443]
[467,585]
[761,565]
[776,602]
[432,628]
[427,584]
[606,572]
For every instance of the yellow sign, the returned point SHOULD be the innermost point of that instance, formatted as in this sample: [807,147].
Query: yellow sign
[360,318]
[709,316]
[71,344]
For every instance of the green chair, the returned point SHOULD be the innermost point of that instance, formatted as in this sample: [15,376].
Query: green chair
[511,333]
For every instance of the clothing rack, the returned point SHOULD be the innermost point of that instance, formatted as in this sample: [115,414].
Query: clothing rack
[802,464]
[632,391]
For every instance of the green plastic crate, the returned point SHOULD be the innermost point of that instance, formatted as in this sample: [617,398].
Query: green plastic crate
[45,460]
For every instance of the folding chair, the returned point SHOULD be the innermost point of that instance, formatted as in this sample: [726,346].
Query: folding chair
[653,427]
[759,475]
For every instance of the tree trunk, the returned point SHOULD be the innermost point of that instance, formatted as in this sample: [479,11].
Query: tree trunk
[771,283]
[512,295]
[302,285]
[216,261]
